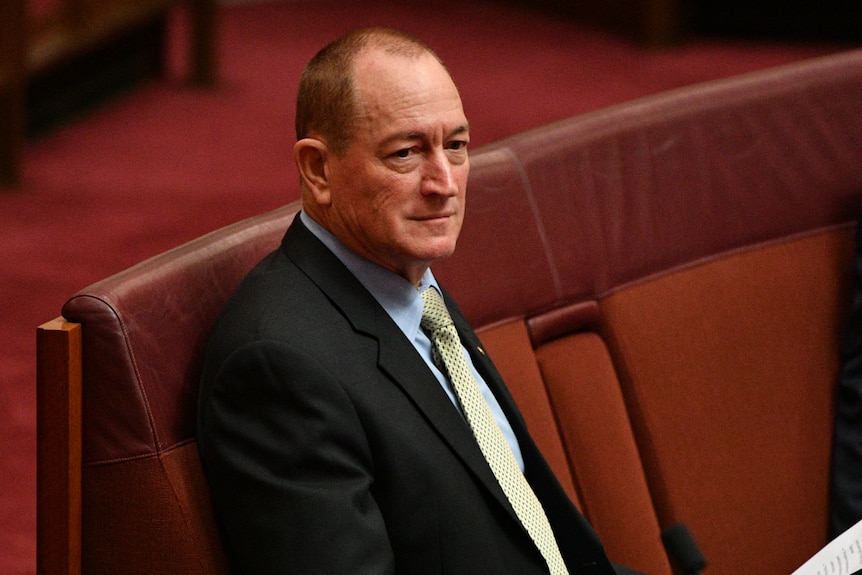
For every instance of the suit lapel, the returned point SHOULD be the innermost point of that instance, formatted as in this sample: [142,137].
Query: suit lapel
[397,357]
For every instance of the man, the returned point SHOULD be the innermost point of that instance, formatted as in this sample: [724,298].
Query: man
[332,439]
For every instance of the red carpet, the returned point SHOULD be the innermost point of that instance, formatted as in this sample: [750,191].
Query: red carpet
[167,163]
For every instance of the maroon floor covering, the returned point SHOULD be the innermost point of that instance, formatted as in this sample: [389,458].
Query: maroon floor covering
[166,162]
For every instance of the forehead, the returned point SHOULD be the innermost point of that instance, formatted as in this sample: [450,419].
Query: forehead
[394,91]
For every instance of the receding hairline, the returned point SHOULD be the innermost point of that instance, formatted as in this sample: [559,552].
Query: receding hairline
[388,40]
[343,54]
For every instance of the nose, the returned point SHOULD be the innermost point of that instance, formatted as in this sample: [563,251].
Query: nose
[438,175]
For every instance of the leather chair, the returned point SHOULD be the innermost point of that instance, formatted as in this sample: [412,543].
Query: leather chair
[120,487]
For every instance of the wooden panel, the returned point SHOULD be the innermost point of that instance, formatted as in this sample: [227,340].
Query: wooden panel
[58,437]
[652,23]
[35,42]
[12,82]
[202,48]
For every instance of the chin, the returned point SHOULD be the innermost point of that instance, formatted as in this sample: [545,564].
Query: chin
[440,252]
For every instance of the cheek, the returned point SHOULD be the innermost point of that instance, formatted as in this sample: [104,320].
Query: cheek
[382,205]
[462,174]
[361,192]
[391,196]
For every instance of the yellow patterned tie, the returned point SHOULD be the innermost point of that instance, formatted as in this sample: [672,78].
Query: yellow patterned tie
[447,349]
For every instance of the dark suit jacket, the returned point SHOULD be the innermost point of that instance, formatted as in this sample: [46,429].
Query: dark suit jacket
[846,504]
[330,447]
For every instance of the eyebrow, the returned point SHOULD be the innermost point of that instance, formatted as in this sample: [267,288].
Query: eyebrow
[413,135]
[460,130]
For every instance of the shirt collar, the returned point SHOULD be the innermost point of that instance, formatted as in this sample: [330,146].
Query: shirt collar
[400,298]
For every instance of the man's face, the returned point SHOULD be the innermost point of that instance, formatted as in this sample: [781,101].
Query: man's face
[398,192]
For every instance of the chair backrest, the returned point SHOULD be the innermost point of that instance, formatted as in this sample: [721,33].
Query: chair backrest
[712,229]
[139,337]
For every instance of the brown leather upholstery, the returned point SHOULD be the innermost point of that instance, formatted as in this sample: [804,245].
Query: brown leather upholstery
[730,368]
[145,503]
[712,226]
[591,203]
[662,283]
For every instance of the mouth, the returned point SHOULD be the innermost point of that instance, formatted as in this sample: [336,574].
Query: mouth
[434,217]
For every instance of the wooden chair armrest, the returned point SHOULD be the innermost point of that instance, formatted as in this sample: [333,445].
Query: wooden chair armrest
[58,457]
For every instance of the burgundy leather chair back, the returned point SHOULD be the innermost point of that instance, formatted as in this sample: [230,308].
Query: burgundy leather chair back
[145,502]
[710,229]
[574,210]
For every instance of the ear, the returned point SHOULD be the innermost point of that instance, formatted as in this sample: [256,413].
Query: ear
[311,156]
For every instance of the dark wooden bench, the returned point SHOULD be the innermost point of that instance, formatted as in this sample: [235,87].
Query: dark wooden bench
[47,41]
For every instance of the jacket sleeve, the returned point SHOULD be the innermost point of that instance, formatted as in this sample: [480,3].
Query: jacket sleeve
[288,467]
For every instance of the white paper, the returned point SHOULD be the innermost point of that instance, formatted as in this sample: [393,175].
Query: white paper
[842,556]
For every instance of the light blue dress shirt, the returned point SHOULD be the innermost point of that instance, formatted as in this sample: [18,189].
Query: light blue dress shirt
[403,302]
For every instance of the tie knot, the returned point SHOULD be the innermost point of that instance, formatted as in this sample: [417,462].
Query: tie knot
[435,316]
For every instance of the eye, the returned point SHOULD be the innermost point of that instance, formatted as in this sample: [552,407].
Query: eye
[405,153]
[457,145]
